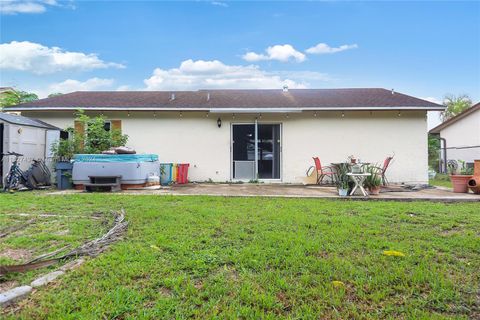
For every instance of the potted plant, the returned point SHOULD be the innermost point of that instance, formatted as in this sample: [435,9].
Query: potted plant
[342,181]
[374,181]
[355,165]
[459,175]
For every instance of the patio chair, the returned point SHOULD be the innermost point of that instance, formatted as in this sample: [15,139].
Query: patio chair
[321,172]
[382,170]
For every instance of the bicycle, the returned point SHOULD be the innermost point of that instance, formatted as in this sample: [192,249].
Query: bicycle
[38,174]
[16,177]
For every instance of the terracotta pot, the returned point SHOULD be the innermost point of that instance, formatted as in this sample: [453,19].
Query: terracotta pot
[474,182]
[375,191]
[460,183]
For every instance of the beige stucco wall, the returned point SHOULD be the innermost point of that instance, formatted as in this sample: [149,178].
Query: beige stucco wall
[464,132]
[196,138]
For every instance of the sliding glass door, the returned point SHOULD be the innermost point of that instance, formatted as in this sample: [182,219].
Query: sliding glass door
[256,151]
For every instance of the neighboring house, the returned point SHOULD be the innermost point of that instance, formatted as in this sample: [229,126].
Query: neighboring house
[229,135]
[461,135]
[31,137]
[6,89]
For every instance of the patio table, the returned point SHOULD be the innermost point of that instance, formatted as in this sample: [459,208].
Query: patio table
[358,179]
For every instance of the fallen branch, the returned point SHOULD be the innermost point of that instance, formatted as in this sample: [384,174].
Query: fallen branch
[91,248]
[48,255]
[97,246]
[5,232]
[26,267]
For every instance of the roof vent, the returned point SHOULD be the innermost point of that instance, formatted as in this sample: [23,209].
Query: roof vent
[208,96]
[393,91]
[285,88]
[172,97]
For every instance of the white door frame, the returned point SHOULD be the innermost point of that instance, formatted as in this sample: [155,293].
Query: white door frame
[256,123]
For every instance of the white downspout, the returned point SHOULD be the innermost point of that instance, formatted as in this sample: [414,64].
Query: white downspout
[256,149]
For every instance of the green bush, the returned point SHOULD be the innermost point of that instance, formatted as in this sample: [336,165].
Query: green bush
[93,140]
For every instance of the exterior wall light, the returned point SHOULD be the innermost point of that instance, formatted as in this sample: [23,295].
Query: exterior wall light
[219,122]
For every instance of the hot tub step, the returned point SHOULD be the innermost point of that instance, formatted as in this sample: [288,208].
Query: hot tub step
[103,183]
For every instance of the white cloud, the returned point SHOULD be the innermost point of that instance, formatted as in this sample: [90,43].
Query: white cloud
[304,75]
[433,99]
[39,59]
[124,87]
[25,6]
[200,74]
[71,85]
[219,3]
[278,52]
[323,48]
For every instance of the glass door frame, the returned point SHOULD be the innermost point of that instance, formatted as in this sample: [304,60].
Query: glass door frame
[256,123]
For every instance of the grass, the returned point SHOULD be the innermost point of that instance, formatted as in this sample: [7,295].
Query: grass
[441,180]
[43,232]
[228,258]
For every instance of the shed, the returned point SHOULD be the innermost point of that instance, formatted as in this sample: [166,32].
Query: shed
[31,137]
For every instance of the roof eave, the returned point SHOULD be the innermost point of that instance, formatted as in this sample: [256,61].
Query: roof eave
[228,110]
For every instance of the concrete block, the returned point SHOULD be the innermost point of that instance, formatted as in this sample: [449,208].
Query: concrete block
[49,277]
[14,294]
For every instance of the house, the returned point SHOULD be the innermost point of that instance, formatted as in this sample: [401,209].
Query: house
[229,135]
[31,137]
[6,89]
[460,135]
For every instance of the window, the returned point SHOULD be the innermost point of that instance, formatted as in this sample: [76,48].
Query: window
[64,135]
[107,125]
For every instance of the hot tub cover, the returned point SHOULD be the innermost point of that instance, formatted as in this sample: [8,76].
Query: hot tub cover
[115,158]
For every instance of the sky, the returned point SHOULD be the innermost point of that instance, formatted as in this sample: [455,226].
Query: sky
[425,49]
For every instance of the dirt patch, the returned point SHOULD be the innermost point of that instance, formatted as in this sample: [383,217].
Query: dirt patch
[283,299]
[198,284]
[16,254]
[166,292]
[232,273]
[62,232]
[452,231]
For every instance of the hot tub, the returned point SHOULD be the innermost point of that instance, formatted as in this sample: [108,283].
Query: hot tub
[133,168]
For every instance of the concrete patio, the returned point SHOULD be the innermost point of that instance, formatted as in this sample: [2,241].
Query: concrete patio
[395,193]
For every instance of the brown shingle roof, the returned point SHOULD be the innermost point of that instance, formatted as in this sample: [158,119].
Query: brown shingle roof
[452,120]
[327,99]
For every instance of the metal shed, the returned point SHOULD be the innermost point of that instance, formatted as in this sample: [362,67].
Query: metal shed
[31,137]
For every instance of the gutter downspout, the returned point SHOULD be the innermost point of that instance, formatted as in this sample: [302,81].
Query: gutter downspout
[256,149]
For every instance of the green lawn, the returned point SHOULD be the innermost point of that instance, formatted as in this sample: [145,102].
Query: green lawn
[441,180]
[228,258]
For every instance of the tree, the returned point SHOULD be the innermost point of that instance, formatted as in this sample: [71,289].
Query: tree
[433,151]
[455,105]
[11,98]
[92,140]
[95,137]
[56,94]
